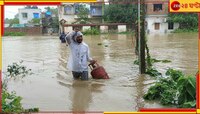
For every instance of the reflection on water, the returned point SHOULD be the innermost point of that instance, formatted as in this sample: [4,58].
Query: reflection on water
[51,87]
[81,96]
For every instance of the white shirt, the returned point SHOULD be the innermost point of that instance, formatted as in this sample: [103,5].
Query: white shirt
[79,56]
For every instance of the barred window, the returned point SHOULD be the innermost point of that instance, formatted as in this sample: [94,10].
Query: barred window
[68,10]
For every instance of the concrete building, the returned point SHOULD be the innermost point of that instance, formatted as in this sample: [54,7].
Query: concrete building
[156,17]
[6,25]
[28,13]
[67,13]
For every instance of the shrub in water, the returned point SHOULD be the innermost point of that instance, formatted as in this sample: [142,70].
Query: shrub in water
[11,103]
[92,31]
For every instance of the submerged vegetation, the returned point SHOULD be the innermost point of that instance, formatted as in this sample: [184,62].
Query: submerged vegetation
[14,34]
[10,101]
[92,31]
[17,70]
[150,70]
[174,89]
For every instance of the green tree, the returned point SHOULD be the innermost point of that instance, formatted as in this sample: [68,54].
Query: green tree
[52,10]
[120,13]
[11,103]
[83,13]
[53,21]
[14,21]
[186,20]
[7,21]
[35,21]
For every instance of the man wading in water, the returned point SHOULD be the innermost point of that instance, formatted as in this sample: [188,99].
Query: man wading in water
[79,55]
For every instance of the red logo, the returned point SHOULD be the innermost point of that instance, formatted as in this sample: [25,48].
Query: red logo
[175,5]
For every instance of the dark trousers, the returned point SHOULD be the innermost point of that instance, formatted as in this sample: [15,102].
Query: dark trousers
[83,75]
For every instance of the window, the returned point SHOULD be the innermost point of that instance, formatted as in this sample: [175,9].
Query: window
[96,10]
[157,26]
[36,15]
[24,15]
[84,7]
[76,8]
[170,25]
[157,7]
[68,10]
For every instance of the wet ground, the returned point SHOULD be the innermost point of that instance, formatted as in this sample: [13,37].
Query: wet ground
[51,87]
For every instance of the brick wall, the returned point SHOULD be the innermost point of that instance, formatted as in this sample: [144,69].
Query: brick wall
[150,7]
[27,30]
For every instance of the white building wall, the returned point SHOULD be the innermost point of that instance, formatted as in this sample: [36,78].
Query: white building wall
[104,29]
[70,18]
[29,13]
[150,28]
[151,24]
[121,28]
[176,26]
[68,29]
[6,25]
[86,28]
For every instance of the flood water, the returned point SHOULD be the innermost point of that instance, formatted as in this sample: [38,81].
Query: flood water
[51,87]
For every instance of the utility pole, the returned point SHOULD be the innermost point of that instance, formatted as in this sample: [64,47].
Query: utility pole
[103,10]
[141,35]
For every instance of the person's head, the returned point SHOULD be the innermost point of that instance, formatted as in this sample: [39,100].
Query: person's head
[79,37]
[76,29]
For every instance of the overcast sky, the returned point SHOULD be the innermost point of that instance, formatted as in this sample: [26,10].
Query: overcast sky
[11,11]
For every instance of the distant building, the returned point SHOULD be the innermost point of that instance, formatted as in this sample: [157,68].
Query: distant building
[67,13]
[6,25]
[28,13]
[156,17]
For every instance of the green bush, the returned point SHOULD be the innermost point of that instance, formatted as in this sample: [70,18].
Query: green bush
[11,103]
[17,70]
[153,72]
[136,62]
[187,89]
[92,31]
[14,34]
[174,74]
[185,30]
[176,89]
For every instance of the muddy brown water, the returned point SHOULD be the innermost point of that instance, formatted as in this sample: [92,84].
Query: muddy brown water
[51,87]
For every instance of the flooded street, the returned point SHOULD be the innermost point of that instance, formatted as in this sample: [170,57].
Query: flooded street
[52,88]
